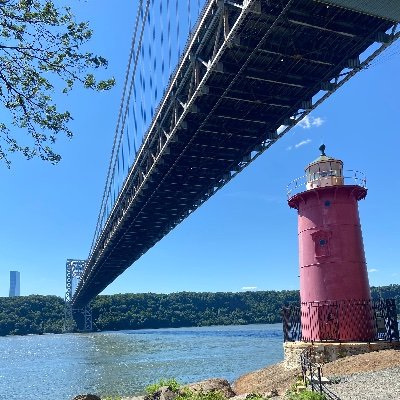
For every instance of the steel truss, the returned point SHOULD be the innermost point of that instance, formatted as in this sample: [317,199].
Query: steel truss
[75,316]
[250,71]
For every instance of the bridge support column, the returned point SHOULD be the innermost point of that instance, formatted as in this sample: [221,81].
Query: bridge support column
[75,319]
[69,323]
[87,318]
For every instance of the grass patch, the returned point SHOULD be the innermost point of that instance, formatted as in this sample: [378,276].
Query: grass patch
[305,395]
[172,384]
[189,395]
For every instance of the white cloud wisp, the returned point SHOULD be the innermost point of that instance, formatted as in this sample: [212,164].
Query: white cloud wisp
[310,122]
[302,143]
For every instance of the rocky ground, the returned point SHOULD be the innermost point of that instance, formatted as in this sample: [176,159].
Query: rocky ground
[370,376]
[367,362]
[266,380]
[367,376]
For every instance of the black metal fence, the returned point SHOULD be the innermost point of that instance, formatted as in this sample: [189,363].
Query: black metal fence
[383,315]
[312,375]
[291,316]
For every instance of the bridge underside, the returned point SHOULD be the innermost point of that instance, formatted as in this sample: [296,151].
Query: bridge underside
[246,71]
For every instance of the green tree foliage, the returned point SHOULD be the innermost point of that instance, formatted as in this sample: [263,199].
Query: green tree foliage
[42,314]
[41,52]
[31,315]
[141,311]
[387,292]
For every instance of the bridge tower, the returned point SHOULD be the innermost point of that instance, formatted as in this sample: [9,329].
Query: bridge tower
[334,288]
[75,318]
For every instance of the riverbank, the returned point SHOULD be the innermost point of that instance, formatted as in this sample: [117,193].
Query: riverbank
[370,376]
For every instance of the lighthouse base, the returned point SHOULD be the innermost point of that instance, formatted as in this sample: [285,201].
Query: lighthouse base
[341,321]
[327,352]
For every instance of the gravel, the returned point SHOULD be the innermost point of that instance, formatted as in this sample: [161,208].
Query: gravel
[376,385]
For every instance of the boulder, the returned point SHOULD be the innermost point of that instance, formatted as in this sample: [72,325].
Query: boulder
[164,393]
[212,385]
[86,397]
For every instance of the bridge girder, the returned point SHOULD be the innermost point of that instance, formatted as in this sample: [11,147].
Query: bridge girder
[246,71]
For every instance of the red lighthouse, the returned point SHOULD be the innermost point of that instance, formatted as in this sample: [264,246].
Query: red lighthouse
[334,289]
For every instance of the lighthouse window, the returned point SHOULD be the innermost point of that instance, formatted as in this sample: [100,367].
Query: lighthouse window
[322,240]
[327,203]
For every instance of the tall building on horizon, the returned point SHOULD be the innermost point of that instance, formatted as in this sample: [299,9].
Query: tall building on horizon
[14,284]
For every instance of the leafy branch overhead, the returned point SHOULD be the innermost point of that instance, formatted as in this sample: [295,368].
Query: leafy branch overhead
[40,53]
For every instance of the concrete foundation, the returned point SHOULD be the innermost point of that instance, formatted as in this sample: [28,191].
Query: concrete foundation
[330,351]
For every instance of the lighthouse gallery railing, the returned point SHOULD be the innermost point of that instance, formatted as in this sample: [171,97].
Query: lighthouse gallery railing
[350,177]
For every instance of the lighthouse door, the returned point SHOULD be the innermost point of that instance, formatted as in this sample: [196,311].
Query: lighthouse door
[328,321]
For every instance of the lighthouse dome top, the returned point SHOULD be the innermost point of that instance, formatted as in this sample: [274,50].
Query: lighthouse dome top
[324,159]
[324,171]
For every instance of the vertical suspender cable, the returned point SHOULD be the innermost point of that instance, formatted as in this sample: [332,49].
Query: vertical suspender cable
[140,45]
[105,194]
[162,44]
[111,169]
[133,81]
[128,140]
[177,26]
[189,18]
[169,36]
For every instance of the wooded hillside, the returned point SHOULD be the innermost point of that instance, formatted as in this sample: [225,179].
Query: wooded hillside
[45,314]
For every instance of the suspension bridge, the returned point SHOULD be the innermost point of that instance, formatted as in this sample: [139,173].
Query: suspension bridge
[211,85]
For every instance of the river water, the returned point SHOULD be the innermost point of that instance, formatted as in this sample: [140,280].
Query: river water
[123,363]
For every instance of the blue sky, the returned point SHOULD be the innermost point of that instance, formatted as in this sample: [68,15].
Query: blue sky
[246,235]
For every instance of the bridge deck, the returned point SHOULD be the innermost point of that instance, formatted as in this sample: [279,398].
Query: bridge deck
[245,72]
